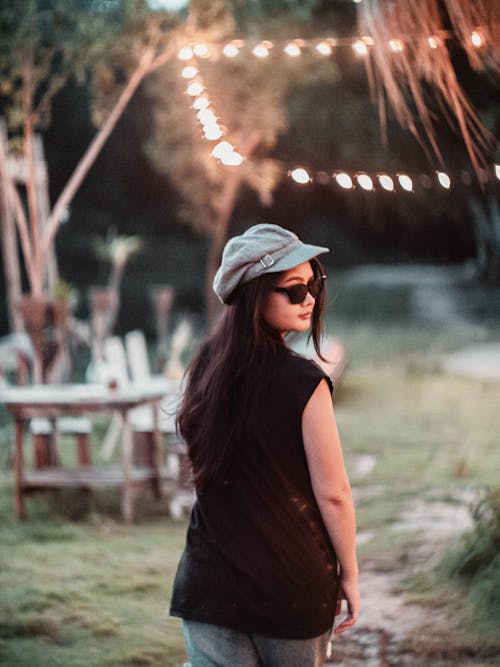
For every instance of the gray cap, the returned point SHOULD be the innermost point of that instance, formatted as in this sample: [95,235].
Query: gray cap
[261,249]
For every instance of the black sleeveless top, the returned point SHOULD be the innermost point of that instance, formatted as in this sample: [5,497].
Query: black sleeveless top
[258,558]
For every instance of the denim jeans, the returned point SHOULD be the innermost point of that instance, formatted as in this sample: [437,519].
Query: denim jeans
[216,646]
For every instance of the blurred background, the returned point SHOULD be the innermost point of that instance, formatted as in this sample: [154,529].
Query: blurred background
[136,136]
[154,178]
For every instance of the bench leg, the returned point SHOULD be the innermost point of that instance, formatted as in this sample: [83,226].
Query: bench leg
[19,505]
[40,451]
[83,443]
[127,463]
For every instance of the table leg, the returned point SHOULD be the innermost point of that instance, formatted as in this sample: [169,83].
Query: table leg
[83,444]
[53,456]
[127,490]
[19,506]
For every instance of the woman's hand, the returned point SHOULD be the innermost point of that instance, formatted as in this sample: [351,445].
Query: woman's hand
[350,592]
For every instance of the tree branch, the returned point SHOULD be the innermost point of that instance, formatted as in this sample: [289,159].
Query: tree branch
[146,65]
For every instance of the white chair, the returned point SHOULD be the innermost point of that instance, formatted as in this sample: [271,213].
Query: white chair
[141,418]
[137,356]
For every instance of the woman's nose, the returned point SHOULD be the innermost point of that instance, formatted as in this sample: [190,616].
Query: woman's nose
[309,299]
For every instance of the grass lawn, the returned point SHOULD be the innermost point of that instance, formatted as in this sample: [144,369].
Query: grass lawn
[78,587]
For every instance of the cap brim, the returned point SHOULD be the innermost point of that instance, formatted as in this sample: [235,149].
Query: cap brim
[296,257]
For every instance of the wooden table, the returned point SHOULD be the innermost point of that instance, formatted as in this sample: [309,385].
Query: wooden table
[52,401]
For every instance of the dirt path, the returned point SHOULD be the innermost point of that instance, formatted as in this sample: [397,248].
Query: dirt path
[388,620]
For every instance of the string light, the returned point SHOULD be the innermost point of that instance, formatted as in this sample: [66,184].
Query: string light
[292,49]
[405,182]
[232,159]
[194,89]
[222,148]
[189,72]
[212,132]
[396,45]
[360,47]
[476,39]
[201,102]
[201,50]
[344,180]
[324,48]
[380,181]
[261,51]
[206,117]
[300,175]
[386,182]
[186,53]
[364,181]
[444,179]
[230,50]
[224,151]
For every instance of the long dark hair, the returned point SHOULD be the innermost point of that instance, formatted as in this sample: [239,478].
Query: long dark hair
[228,371]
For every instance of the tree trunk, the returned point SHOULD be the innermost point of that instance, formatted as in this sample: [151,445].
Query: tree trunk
[82,168]
[219,235]
[10,253]
[29,160]
[51,276]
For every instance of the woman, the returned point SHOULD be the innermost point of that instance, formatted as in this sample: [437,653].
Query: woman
[270,547]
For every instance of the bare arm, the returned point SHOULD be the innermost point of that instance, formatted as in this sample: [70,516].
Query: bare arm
[332,492]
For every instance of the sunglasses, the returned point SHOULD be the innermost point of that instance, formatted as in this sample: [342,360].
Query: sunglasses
[297,293]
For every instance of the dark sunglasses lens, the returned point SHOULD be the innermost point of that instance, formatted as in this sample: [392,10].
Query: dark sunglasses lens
[297,293]
[315,287]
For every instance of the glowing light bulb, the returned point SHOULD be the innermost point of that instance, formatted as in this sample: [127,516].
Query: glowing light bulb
[201,102]
[365,181]
[405,182]
[497,171]
[360,47]
[433,42]
[300,175]
[232,159]
[201,50]
[292,49]
[206,117]
[260,51]
[344,180]
[444,179]
[324,48]
[189,72]
[396,45]
[230,50]
[194,89]
[186,53]
[476,39]
[221,149]
[386,182]
[212,132]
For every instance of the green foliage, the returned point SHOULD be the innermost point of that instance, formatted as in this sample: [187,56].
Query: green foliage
[43,44]
[476,561]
